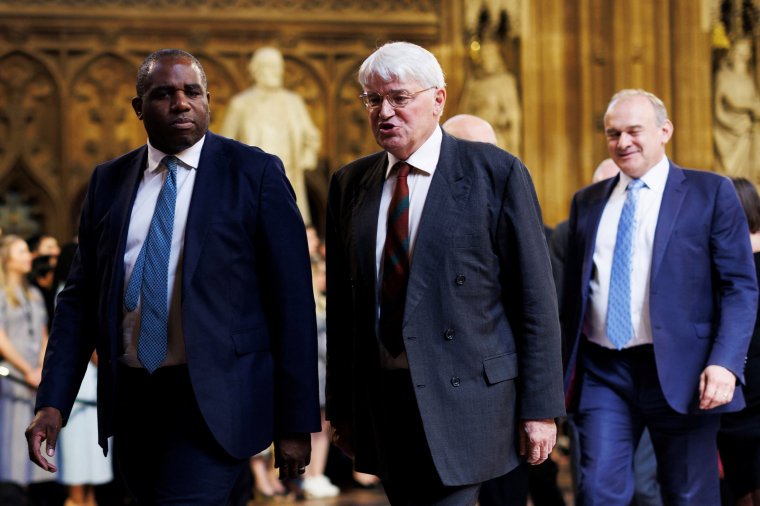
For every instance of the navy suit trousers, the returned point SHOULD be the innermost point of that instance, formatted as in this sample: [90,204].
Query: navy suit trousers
[620,395]
[165,450]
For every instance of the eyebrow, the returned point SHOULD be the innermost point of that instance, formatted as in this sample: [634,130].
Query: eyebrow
[389,91]
[192,86]
[624,129]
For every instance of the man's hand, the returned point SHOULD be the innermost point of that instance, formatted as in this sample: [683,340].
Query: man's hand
[292,453]
[44,427]
[537,438]
[716,387]
[341,436]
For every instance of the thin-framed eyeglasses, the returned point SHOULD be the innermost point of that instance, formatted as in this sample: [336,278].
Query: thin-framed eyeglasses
[396,99]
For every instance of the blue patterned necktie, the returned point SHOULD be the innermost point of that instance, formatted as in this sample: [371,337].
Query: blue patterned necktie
[619,325]
[150,277]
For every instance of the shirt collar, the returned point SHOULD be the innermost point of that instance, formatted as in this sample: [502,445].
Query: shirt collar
[654,179]
[189,157]
[425,159]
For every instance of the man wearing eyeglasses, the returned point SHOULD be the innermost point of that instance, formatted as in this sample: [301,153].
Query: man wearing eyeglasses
[444,360]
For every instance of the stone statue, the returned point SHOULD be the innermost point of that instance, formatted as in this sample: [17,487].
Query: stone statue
[737,112]
[276,120]
[491,93]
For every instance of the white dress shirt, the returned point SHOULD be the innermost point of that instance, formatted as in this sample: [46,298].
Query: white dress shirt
[647,212]
[423,163]
[139,224]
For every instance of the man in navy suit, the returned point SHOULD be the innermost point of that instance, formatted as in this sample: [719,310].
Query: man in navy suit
[689,306]
[239,365]
[469,375]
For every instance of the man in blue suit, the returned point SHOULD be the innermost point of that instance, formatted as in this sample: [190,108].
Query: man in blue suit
[439,386]
[660,301]
[236,365]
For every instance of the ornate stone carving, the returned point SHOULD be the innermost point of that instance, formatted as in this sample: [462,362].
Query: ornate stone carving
[737,114]
[290,5]
[91,50]
[29,115]
[18,215]
[102,122]
[354,136]
[221,85]
[491,93]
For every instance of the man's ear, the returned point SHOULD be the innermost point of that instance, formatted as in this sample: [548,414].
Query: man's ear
[667,131]
[439,101]
[137,106]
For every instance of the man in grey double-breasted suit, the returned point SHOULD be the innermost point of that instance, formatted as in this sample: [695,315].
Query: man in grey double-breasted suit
[475,376]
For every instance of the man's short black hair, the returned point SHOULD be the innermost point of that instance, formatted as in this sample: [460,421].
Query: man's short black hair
[147,66]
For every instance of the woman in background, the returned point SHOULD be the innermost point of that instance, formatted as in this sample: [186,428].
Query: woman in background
[739,436]
[23,337]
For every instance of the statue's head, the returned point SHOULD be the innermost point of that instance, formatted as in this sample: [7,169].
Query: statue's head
[266,67]
[741,51]
[491,60]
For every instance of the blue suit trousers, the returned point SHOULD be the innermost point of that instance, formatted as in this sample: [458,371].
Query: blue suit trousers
[620,395]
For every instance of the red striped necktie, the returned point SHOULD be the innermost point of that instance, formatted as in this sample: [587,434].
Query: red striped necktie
[395,264]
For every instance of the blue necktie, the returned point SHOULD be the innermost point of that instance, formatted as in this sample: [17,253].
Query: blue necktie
[149,281]
[619,325]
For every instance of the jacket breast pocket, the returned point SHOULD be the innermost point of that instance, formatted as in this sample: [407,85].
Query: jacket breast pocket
[500,368]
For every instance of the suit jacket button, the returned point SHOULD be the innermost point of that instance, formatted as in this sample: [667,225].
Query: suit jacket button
[455,381]
[449,334]
[460,280]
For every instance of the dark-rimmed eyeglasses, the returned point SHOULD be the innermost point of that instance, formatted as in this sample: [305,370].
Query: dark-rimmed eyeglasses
[396,99]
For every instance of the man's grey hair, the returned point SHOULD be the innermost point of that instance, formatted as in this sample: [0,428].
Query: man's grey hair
[150,62]
[661,113]
[402,61]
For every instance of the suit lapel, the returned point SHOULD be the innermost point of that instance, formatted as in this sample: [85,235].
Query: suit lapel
[206,193]
[118,219]
[365,218]
[448,189]
[124,200]
[672,198]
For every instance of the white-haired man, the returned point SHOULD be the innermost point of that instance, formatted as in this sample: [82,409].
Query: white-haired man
[443,340]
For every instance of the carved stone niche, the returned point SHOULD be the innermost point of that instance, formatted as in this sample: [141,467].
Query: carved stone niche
[220,85]
[736,93]
[102,124]
[29,117]
[25,206]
